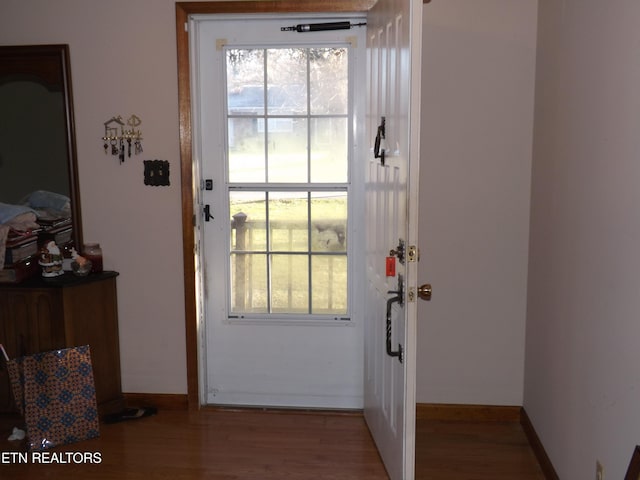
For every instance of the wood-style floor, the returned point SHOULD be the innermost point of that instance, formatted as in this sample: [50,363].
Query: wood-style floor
[226,445]
[450,450]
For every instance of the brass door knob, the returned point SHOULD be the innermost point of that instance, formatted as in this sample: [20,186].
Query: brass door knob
[425,291]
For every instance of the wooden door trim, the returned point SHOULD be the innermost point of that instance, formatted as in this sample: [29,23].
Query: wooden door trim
[183,11]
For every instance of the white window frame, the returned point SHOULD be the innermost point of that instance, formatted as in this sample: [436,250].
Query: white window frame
[348,187]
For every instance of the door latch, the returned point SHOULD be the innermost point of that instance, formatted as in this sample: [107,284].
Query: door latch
[207,213]
[413,254]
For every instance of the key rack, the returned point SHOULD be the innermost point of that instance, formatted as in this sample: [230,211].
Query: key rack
[118,133]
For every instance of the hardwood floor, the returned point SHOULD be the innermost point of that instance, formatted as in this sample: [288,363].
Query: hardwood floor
[458,450]
[226,445]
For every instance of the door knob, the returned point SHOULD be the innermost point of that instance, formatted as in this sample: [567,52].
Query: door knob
[425,291]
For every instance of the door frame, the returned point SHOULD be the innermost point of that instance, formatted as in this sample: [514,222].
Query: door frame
[183,11]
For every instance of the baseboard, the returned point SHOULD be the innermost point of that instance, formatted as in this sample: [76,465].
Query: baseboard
[537,447]
[162,401]
[468,413]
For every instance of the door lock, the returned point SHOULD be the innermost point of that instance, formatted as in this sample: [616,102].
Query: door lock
[398,251]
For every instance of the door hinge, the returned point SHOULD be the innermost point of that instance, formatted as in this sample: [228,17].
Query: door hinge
[413,254]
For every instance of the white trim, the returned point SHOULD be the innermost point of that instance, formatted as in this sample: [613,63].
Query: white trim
[196,162]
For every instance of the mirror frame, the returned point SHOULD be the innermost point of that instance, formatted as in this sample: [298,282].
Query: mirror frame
[50,65]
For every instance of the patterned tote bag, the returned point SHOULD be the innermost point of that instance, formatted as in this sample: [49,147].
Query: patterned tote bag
[55,392]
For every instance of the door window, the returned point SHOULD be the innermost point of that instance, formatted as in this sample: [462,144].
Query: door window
[287,180]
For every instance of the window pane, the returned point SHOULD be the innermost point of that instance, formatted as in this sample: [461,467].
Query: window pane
[287,81]
[287,140]
[281,232]
[245,81]
[329,284]
[290,283]
[329,80]
[246,151]
[329,153]
[329,221]
[249,289]
[248,221]
[289,221]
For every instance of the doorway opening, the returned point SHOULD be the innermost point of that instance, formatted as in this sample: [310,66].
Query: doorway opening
[392,88]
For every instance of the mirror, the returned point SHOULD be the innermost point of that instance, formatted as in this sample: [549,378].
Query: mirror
[38,165]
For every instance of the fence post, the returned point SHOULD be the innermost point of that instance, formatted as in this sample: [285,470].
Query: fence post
[240,224]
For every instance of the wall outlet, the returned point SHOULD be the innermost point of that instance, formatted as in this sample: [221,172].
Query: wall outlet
[599,471]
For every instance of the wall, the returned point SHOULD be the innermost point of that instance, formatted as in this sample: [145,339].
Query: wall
[582,387]
[477,120]
[123,62]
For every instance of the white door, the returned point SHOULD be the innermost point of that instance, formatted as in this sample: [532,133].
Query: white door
[278,139]
[394,63]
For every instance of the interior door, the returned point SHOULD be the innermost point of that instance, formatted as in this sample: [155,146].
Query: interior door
[394,64]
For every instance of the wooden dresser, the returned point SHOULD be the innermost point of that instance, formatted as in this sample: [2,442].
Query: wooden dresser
[40,315]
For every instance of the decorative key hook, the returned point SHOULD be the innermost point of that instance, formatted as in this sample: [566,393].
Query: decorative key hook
[115,135]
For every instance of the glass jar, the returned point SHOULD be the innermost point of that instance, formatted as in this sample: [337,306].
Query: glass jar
[93,252]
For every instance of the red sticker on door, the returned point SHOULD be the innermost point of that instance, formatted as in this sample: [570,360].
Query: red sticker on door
[391,266]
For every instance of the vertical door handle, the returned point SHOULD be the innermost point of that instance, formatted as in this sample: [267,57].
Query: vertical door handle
[207,213]
[378,148]
[390,302]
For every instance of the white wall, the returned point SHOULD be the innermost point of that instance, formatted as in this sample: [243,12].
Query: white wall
[582,388]
[477,120]
[123,62]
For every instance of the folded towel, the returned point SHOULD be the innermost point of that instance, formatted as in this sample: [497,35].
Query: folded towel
[45,199]
[9,211]
[21,221]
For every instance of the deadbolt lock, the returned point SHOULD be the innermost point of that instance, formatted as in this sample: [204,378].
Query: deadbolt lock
[398,252]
